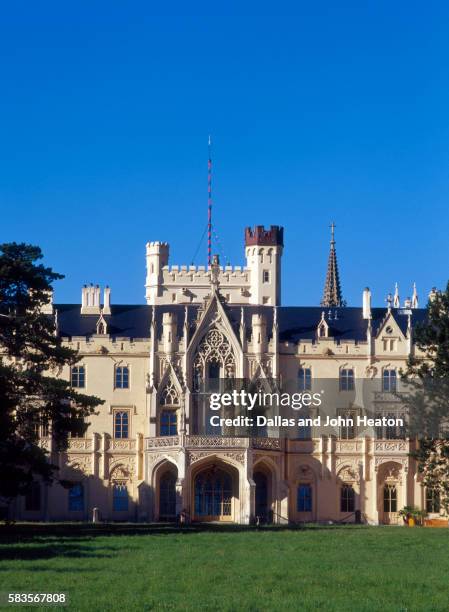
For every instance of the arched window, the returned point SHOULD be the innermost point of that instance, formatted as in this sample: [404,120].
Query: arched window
[169,423]
[122,377]
[121,424]
[432,500]
[119,497]
[347,379]
[389,381]
[168,420]
[78,377]
[76,498]
[167,496]
[304,499]
[304,379]
[390,498]
[347,498]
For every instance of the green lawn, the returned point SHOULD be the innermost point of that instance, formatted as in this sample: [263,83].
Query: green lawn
[160,568]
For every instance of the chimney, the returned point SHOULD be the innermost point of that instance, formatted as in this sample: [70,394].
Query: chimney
[90,299]
[366,303]
[107,300]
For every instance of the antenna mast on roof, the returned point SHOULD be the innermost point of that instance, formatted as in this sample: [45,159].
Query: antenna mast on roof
[209,203]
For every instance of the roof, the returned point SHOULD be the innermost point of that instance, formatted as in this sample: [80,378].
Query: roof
[296,323]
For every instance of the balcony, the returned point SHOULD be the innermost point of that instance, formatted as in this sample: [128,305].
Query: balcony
[186,441]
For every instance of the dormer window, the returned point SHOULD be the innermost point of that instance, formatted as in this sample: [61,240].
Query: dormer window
[322,331]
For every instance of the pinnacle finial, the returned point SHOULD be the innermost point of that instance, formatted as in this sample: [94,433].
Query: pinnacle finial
[332,290]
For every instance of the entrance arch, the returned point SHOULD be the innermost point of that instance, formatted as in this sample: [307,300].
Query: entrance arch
[215,493]
[389,492]
[262,510]
[167,495]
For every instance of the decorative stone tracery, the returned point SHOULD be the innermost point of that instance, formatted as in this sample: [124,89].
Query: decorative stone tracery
[214,348]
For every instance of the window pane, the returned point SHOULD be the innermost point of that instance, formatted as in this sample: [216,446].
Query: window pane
[120,498]
[304,498]
[76,498]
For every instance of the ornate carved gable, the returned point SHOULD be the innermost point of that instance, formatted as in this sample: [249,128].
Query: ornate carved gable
[170,381]
[215,336]
[389,327]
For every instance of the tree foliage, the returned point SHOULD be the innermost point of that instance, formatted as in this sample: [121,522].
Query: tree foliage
[32,396]
[427,377]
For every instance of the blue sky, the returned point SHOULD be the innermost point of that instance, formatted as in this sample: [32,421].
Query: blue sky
[333,111]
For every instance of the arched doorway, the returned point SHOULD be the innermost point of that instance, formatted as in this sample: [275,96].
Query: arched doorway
[262,510]
[167,496]
[389,493]
[214,493]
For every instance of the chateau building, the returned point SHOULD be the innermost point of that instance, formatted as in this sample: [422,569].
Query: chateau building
[151,453]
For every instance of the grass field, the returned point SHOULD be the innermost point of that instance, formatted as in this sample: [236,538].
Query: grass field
[129,567]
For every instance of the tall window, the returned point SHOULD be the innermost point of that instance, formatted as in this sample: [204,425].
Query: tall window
[304,499]
[121,424]
[347,498]
[394,431]
[119,497]
[122,377]
[33,497]
[305,379]
[389,381]
[76,498]
[348,430]
[432,500]
[266,276]
[169,423]
[78,377]
[347,379]
[390,498]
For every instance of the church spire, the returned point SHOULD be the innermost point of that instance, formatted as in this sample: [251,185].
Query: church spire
[332,291]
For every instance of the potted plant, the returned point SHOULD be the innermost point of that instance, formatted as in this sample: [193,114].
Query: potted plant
[406,513]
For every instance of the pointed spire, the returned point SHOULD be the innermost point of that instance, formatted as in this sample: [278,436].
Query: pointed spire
[396,299]
[415,302]
[332,290]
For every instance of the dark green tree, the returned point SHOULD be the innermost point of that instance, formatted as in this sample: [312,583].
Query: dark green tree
[427,381]
[32,355]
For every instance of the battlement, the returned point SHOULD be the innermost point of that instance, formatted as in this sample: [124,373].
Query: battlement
[256,283]
[203,270]
[259,236]
[157,243]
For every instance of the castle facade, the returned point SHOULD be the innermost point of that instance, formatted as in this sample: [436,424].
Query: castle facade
[151,453]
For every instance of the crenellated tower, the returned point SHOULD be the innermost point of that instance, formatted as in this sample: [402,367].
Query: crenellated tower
[263,250]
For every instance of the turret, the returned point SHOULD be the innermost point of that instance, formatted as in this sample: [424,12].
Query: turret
[157,258]
[169,332]
[259,335]
[263,250]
